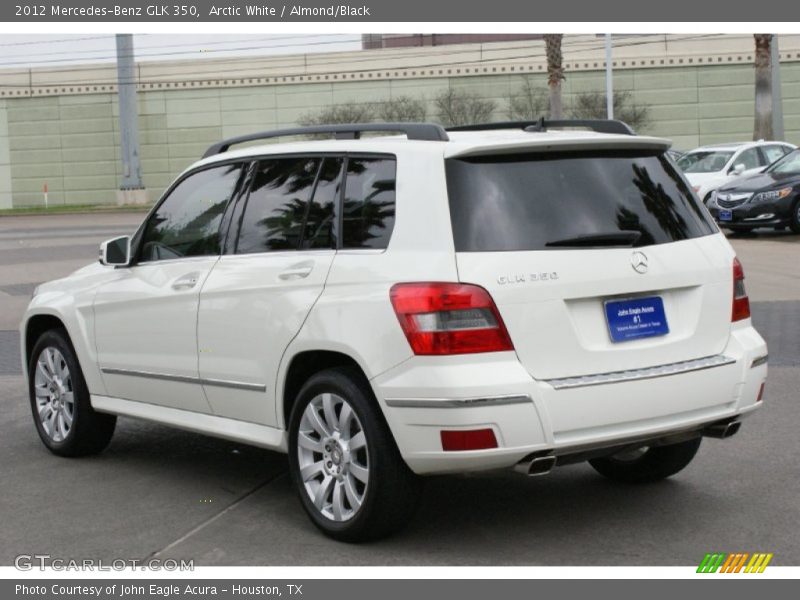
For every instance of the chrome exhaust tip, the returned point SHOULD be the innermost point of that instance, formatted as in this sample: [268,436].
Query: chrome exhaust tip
[722,430]
[536,465]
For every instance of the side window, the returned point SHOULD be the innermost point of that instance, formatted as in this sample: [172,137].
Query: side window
[749,158]
[369,204]
[277,205]
[318,232]
[187,223]
[773,153]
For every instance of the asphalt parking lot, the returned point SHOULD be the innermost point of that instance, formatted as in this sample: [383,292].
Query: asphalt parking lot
[157,491]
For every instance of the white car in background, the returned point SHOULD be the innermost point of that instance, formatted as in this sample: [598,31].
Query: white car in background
[710,167]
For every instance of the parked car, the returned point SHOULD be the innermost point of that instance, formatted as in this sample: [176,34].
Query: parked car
[710,167]
[675,154]
[390,307]
[768,199]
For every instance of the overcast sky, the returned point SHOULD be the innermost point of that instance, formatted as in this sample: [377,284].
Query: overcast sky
[25,51]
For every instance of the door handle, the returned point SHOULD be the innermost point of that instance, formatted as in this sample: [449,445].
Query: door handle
[186,282]
[297,271]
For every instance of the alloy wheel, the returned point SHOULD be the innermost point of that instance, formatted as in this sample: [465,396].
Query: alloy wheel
[55,398]
[333,457]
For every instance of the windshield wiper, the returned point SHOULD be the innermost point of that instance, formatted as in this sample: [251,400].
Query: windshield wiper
[619,238]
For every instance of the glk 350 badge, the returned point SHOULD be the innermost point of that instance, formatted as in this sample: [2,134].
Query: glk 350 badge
[527,277]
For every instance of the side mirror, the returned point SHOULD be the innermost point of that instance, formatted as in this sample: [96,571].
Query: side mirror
[116,252]
[738,169]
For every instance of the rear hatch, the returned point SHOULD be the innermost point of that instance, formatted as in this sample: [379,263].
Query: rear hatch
[598,260]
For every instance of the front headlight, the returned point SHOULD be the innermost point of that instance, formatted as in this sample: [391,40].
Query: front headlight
[772,195]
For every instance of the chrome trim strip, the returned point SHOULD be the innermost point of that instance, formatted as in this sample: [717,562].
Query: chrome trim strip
[761,360]
[148,375]
[238,385]
[699,364]
[252,387]
[457,402]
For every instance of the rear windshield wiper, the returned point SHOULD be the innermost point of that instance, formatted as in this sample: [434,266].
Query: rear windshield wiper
[619,238]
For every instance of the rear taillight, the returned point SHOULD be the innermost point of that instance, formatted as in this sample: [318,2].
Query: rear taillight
[449,318]
[741,303]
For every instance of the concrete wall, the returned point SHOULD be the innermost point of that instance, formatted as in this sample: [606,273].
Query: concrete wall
[70,140]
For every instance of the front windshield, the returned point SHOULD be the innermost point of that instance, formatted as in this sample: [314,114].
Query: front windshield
[788,164]
[704,161]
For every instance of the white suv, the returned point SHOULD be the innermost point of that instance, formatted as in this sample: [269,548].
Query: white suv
[382,308]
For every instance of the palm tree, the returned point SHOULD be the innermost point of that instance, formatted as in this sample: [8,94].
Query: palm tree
[555,72]
[762,129]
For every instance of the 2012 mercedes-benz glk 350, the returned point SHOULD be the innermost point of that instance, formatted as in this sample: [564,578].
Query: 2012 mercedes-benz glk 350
[386,307]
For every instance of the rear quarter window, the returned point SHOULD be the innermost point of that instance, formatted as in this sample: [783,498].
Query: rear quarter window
[368,208]
[525,201]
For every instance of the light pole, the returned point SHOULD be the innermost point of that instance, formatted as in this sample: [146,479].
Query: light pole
[609,80]
[131,188]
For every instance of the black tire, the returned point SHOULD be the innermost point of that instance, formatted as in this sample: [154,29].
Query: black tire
[90,432]
[654,464]
[390,496]
[794,221]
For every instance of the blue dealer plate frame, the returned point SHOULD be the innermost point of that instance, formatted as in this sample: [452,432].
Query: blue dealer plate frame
[636,318]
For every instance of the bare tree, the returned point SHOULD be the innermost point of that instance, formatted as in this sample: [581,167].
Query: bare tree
[592,105]
[528,102]
[349,112]
[762,127]
[555,72]
[456,107]
[402,109]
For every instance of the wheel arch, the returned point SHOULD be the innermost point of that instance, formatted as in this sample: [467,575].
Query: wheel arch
[80,335]
[34,327]
[303,365]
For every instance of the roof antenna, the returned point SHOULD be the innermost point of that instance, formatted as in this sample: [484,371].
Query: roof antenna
[539,126]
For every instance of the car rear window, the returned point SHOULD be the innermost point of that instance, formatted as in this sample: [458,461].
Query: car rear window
[535,201]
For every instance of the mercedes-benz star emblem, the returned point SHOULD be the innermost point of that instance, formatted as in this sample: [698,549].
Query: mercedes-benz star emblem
[639,262]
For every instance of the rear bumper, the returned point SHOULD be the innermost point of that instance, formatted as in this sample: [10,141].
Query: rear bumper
[427,394]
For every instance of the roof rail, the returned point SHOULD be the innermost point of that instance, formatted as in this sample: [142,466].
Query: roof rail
[598,125]
[414,131]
